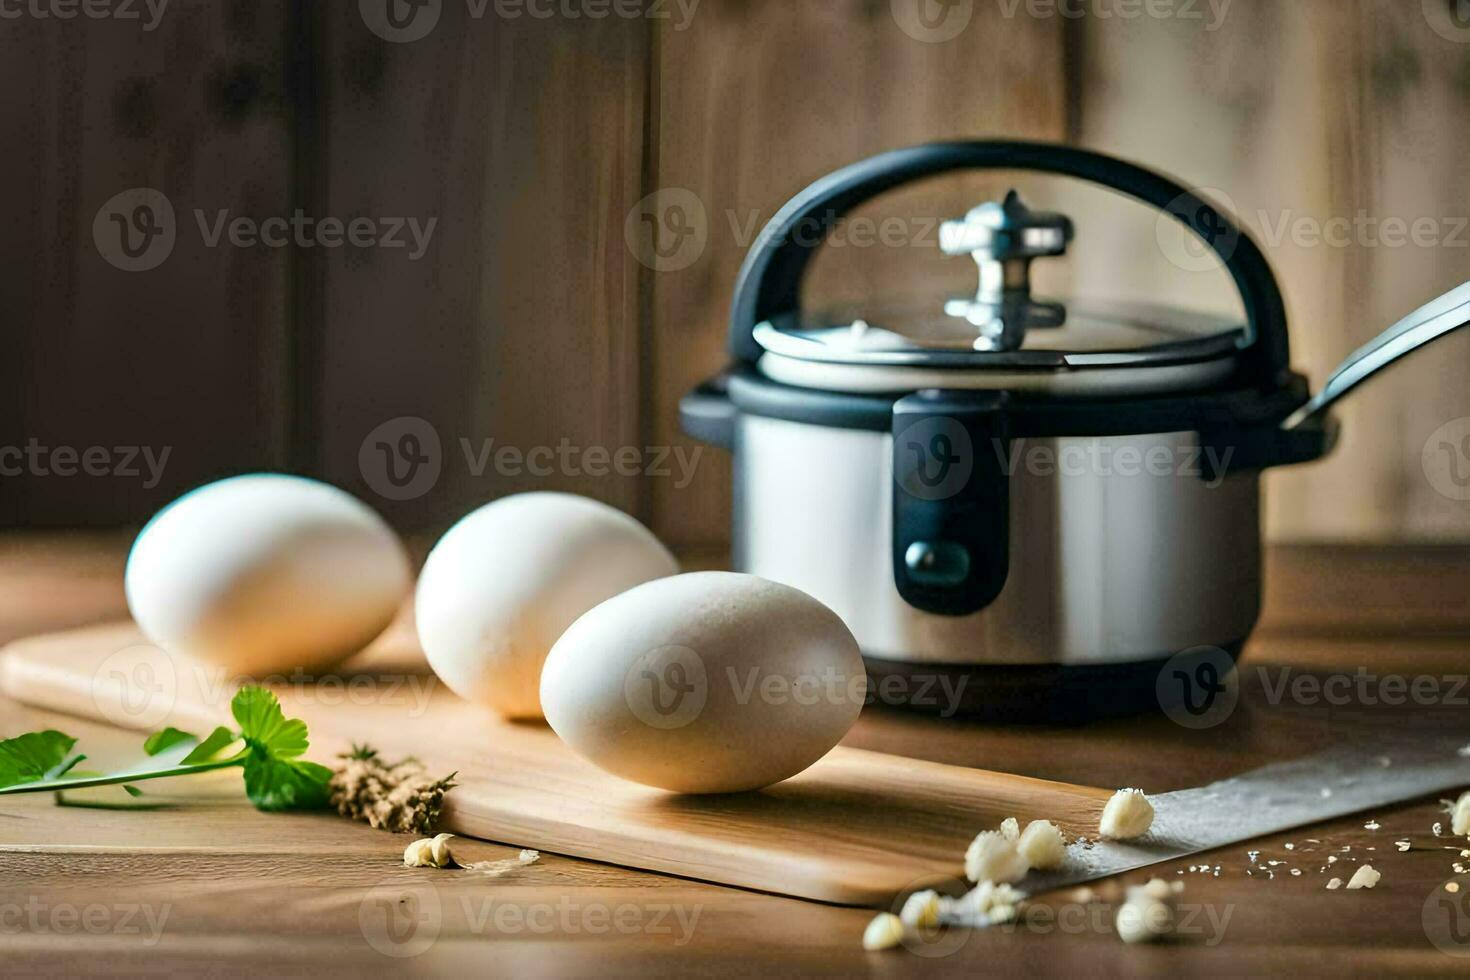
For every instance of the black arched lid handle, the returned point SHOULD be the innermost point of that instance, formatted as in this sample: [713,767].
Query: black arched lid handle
[770,280]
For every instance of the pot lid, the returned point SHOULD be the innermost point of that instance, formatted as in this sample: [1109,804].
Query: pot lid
[1003,327]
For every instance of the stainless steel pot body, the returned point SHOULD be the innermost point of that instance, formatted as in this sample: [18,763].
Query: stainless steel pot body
[1121,549]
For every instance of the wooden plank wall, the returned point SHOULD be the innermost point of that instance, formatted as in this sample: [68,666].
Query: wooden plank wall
[538,317]
[187,357]
[1301,113]
[523,139]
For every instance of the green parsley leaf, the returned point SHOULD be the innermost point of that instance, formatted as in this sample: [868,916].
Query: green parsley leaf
[264,726]
[34,756]
[286,784]
[210,747]
[276,778]
[167,739]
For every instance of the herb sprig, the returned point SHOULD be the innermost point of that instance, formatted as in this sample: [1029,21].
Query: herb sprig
[267,745]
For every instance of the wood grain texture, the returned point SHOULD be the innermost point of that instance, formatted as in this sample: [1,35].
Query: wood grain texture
[522,139]
[1318,123]
[755,101]
[185,358]
[856,828]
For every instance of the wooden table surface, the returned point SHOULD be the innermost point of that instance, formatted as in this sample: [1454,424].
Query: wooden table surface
[211,887]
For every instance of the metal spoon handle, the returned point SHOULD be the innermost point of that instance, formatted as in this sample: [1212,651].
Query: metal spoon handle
[1431,321]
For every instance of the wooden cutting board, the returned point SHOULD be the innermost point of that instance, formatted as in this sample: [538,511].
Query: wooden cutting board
[857,828]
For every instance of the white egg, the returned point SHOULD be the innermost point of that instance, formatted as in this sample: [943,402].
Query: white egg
[265,574]
[503,584]
[710,682]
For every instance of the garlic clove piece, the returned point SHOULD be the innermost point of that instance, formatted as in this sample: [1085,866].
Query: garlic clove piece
[1155,888]
[1128,814]
[1042,846]
[1144,920]
[1460,815]
[921,910]
[884,932]
[417,855]
[993,857]
[439,850]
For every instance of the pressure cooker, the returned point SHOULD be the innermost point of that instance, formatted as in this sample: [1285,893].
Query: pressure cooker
[1022,508]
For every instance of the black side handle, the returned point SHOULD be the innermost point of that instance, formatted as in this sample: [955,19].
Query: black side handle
[951,500]
[1230,448]
[770,280]
[707,414]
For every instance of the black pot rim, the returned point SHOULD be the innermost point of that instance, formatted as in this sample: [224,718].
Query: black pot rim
[1035,415]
